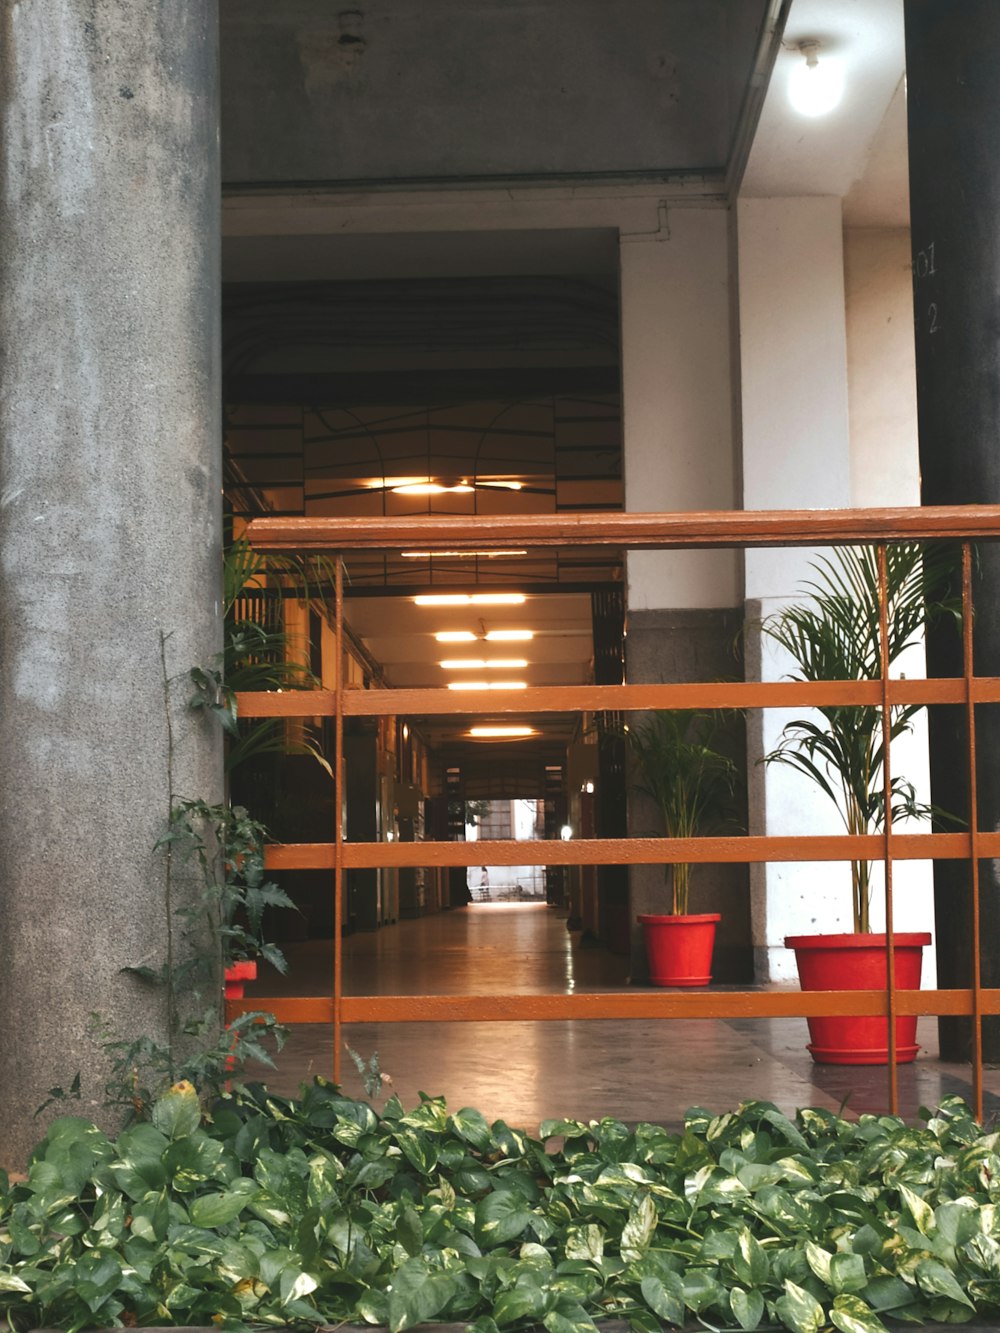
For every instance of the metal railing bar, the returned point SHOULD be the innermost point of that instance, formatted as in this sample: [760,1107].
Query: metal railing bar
[338,817]
[975,837]
[886,718]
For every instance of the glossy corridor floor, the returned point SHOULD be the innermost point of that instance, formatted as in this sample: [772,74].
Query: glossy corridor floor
[526,1072]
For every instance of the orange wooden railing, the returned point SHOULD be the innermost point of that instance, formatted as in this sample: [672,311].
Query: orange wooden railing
[966,524]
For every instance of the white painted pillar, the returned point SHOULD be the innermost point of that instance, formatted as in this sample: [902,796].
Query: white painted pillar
[796,455]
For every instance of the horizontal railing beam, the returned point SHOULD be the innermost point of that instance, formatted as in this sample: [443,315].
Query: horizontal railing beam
[614,698]
[610,1005]
[712,528]
[735,850]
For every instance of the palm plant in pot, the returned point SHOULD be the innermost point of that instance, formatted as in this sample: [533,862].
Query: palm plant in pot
[835,635]
[694,787]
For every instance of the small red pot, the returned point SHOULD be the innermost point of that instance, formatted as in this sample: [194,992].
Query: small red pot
[857,962]
[679,948]
[236,974]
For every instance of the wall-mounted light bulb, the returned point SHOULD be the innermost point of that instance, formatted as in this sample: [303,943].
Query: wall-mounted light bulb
[815,86]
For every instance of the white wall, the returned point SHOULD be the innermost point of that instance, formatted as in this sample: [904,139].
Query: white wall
[825,424]
[677,400]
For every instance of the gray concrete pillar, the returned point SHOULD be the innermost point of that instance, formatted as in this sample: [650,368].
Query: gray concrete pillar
[109,509]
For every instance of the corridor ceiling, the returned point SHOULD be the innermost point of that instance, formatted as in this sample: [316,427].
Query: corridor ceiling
[327,110]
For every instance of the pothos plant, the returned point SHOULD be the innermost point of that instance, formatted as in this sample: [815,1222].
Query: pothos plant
[835,635]
[319,1212]
[693,784]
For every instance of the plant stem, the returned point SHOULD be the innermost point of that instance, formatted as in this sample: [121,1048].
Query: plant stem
[168,879]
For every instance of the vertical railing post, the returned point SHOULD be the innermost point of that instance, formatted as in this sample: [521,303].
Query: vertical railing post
[968,671]
[890,947]
[338,820]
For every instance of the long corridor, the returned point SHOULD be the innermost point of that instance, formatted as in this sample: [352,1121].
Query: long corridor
[527,1072]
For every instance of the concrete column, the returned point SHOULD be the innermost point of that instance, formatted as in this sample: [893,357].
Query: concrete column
[953,110]
[109,510]
[680,455]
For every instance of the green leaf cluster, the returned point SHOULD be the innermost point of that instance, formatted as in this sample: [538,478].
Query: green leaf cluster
[258,654]
[316,1211]
[693,784]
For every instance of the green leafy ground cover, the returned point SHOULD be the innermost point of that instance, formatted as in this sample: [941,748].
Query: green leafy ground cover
[270,1211]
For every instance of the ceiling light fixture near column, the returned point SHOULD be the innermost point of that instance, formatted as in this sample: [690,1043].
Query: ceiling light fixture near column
[501,733]
[815,87]
[509,635]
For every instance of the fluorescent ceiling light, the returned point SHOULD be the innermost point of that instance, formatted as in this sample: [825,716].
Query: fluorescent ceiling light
[479,664]
[510,635]
[459,555]
[502,485]
[467,599]
[495,733]
[455,636]
[431,488]
[390,483]
[488,685]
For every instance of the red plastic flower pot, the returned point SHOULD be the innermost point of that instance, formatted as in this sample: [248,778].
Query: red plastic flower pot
[679,948]
[857,962]
[236,975]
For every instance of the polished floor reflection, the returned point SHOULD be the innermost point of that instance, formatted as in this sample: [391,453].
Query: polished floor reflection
[526,1072]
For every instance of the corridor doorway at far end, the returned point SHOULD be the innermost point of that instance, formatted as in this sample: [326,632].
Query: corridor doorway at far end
[520,820]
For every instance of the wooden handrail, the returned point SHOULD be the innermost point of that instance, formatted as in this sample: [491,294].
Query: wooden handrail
[710,528]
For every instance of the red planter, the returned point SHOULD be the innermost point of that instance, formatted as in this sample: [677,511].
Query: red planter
[679,948]
[236,974]
[857,962]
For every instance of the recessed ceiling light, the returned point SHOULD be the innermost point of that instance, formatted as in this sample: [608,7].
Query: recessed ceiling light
[495,733]
[510,635]
[455,636]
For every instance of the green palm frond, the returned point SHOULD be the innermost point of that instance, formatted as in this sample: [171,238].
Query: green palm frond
[693,785]
[836,635]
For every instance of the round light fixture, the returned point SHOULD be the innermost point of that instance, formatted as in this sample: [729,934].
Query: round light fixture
[815,86]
